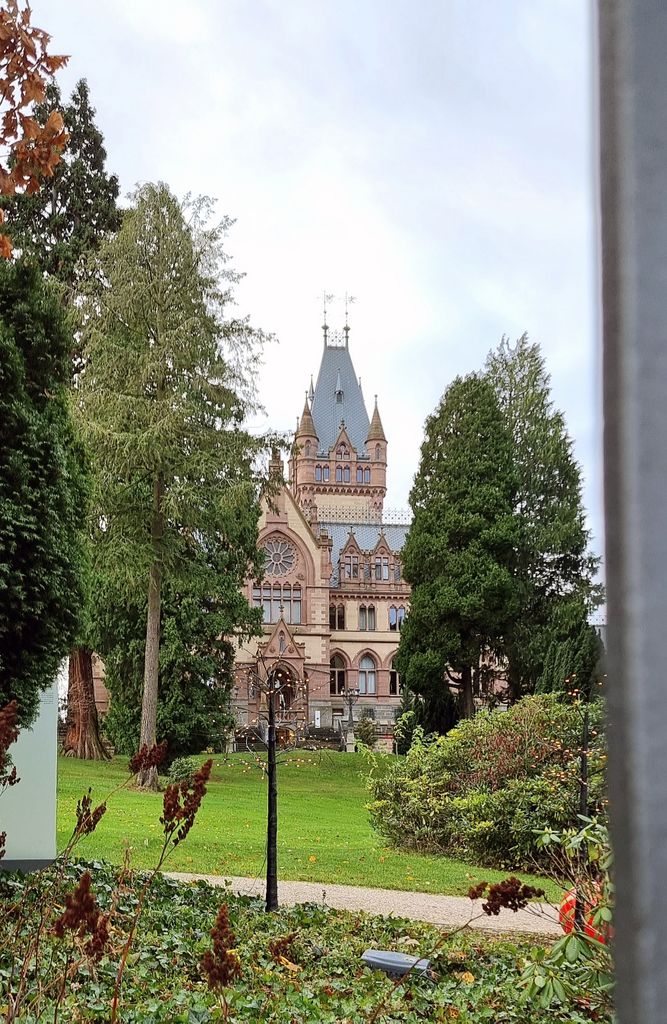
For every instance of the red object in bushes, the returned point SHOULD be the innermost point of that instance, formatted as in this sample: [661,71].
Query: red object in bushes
[567,913]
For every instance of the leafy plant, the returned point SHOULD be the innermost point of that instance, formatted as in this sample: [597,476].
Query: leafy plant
[182,768]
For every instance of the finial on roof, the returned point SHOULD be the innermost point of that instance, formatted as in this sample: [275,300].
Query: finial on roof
[311,390]
[349,299]
[326,297]
[376,430]
[306,428]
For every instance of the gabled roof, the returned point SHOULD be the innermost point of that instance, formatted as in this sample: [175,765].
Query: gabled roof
[366,535]
[338,397]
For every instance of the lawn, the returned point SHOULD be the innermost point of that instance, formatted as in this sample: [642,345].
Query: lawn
[324,832]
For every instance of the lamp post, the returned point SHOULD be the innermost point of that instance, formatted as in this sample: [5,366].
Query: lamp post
[350,696]
[277,681]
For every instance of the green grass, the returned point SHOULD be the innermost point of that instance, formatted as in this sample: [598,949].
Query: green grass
[324,832]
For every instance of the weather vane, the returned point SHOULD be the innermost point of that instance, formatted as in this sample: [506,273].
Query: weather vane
[349,299]
[326,297]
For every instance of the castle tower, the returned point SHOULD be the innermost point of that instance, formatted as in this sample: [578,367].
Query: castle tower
[339,464]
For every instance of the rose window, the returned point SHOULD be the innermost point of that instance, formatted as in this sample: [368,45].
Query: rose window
[280,557]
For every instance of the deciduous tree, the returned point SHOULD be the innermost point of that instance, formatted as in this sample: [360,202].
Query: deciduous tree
[164,394]
[29,150]
[459,552]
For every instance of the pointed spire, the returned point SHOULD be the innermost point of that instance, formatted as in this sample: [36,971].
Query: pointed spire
[311,390]
[376,430]
[306,427]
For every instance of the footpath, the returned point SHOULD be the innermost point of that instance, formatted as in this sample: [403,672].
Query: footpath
[446,911]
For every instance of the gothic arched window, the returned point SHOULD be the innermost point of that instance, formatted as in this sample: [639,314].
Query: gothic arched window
[307,449]
[367,476]
[336,675]
[378,451]
[394,681]
[367,675]
[346,474]
[318,473]
[360,475]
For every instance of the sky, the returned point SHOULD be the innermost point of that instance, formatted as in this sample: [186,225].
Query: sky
[432,158]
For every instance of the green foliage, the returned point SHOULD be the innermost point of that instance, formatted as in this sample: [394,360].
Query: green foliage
[581,961]
[482,790]
[42,490]
[200,610]
[554,568]
[365,730]
[459,551]
[575,664]
[476,978]
[167,385]
[182,768]
[76,208]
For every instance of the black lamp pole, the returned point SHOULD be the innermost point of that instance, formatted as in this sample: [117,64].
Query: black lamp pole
[272,822]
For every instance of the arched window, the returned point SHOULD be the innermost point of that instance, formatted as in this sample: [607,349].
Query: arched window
[394,681]
[401,616]
[336,616]
[370,617]
[318,472]
[307,449]
[339,474]
[393,618]
[360,474]
[367,476]
[325,473]
[367,675]
[362,616]
[378,452]
[346,474]
[336,675]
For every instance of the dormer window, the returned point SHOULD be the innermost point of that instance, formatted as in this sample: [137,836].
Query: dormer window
[339,395]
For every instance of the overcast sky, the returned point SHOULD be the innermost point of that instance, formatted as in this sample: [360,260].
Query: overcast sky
[434,158]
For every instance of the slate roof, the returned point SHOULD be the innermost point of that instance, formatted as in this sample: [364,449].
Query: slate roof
[337,373]
[366,535]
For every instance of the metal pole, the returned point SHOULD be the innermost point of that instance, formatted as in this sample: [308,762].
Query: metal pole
[633,87]
[272,821]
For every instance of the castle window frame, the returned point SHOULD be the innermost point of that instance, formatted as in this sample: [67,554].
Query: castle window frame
[337,676]
[370,616]
[336,616]
[318,473]
[346,474]
[381,568]
[367,475]
[351,567]
[362,616]
[360,474]
[271,598]
[307,450]
[378,452]
[325,474]
[393,618]
[368,676]
[339,474]
[395,686]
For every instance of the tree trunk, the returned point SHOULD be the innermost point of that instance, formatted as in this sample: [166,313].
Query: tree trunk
[467,703]
[272,820]
[82,739]
[147,779]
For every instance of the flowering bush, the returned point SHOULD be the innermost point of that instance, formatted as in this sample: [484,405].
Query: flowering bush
[483,789]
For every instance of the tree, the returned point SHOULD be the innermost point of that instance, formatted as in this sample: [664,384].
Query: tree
[201,610]
[555,569]
[162,408]
[70,217]
[459,551]
[575,665]
[30,150]
[59,225]
[42,490]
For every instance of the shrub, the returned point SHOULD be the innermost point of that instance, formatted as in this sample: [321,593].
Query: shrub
[482,790]
[365,730]
[182,769]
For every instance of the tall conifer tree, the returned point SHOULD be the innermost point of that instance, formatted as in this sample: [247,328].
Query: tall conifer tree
[162,408]
[555,569]
[459,552]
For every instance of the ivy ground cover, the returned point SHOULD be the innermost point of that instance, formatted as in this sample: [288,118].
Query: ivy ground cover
[324,829]
[301,965]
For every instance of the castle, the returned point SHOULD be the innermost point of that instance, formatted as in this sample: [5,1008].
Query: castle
[333,595]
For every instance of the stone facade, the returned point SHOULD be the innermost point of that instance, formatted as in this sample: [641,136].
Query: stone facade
[333,593]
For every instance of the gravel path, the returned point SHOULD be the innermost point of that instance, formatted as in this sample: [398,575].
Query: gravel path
[449,911]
